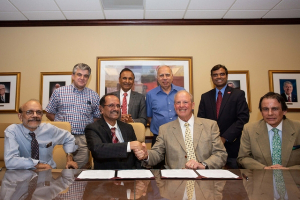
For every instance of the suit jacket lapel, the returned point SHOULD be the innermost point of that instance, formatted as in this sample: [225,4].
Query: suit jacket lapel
[131,101]
[262,139]
[288,140]
[107,131]
[225,98]
[177,132]
[123,131]
[197,132]
[212,97]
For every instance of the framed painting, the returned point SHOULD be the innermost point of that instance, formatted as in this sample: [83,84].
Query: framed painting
[240,80]
[287,84]
[9,91]
[144,69]
[50,81]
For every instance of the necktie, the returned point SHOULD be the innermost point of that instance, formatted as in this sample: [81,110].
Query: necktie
[189,143]
[219,101]
[276,147]
[113,134]
[124,104]
[279,182]
[190,186]
[289,98]
[31,187]
[2,99]
[34,147]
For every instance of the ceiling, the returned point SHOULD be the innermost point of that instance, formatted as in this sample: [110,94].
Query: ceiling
[24,10]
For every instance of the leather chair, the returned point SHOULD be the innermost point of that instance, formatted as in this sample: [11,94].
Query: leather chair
[3,126]
[139,130]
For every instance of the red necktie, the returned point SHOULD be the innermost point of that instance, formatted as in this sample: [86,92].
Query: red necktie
[113,134]
[289,99]
[124,104]
[34,147]
[219,101]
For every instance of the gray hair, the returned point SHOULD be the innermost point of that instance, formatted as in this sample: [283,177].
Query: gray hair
[2,85]
[287,82]
[82,66]
[164,66]
[181,91]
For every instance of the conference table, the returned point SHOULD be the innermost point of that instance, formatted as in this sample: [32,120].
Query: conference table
[64,184]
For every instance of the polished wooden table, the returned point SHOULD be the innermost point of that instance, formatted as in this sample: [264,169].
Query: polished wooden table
[62,184]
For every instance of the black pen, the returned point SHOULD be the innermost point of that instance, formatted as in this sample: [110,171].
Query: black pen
[245,177]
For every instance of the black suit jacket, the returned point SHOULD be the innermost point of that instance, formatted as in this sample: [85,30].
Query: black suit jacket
[136,106]
[6,98]
[107,155]
[234,113]
[294,97]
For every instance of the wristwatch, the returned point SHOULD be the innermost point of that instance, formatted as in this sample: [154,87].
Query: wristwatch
[205,165]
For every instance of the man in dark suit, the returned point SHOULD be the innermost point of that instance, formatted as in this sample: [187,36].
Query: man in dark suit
[136,106]
[4,97]
[110,140]
[288,90]
[232,110]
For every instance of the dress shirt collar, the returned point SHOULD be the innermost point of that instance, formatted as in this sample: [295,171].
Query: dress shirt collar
[279,127]
[76,89]
[190,121]
[222,90]
[27,131]
[172,88]
[115,126]
[122,93]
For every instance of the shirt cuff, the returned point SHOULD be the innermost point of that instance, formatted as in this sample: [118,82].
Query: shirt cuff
[128,147]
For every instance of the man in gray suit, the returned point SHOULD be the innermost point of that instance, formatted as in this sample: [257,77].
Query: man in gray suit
[274,141]
[172,141]
[135,110]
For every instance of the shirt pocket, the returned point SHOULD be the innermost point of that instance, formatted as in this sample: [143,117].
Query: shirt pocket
[45,151]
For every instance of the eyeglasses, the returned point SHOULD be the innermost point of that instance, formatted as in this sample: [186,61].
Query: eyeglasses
[84,76]
[113,105]
[31,112]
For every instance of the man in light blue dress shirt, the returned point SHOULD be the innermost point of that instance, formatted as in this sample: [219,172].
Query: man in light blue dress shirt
[18,142]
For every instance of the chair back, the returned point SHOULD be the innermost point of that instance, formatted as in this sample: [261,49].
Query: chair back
[139,130]
[59,154]
[3,126]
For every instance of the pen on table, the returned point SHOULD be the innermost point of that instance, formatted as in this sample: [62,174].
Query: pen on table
[245,177]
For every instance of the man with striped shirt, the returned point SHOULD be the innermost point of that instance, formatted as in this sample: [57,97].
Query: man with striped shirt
[78,105]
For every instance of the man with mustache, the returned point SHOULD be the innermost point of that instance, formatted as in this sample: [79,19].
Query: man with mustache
[133,103]
[29,145]
[111,141]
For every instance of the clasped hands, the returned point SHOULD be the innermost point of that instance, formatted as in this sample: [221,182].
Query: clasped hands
[277,166]
[139,149]
[126,118]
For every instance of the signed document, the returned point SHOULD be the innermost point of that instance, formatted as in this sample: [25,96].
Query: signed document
[135,174]
[216,173]
[97,174]
[178,173]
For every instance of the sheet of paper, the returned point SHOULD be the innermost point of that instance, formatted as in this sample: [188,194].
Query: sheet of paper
[97,174]
[135,174]
[217,173]
[178,173]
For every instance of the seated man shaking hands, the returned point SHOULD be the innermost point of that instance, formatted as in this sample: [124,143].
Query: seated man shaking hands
[29,145]
[110,140]
[187,142]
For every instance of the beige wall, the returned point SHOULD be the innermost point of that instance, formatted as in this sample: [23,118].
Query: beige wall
[53,49]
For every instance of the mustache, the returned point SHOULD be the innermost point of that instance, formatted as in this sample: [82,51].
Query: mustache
[114,111]
[34,119]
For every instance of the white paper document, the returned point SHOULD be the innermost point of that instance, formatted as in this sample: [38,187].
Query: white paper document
[135,174]
[97,174]
[217,173]
[178,173]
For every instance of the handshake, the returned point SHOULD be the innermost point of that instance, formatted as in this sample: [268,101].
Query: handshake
[139,149]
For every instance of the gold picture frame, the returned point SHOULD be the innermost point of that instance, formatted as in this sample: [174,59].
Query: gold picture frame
[277,79]
[144,68]
[241,80]
[48,82]
[11,99]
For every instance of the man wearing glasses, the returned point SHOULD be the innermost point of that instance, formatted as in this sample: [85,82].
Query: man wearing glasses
[78,105]
[111,141]
[29,145]
[229,108]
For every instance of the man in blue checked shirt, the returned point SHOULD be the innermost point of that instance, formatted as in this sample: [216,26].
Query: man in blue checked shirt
[78,105]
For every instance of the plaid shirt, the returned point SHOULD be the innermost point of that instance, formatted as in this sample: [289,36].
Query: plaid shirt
[74,106]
